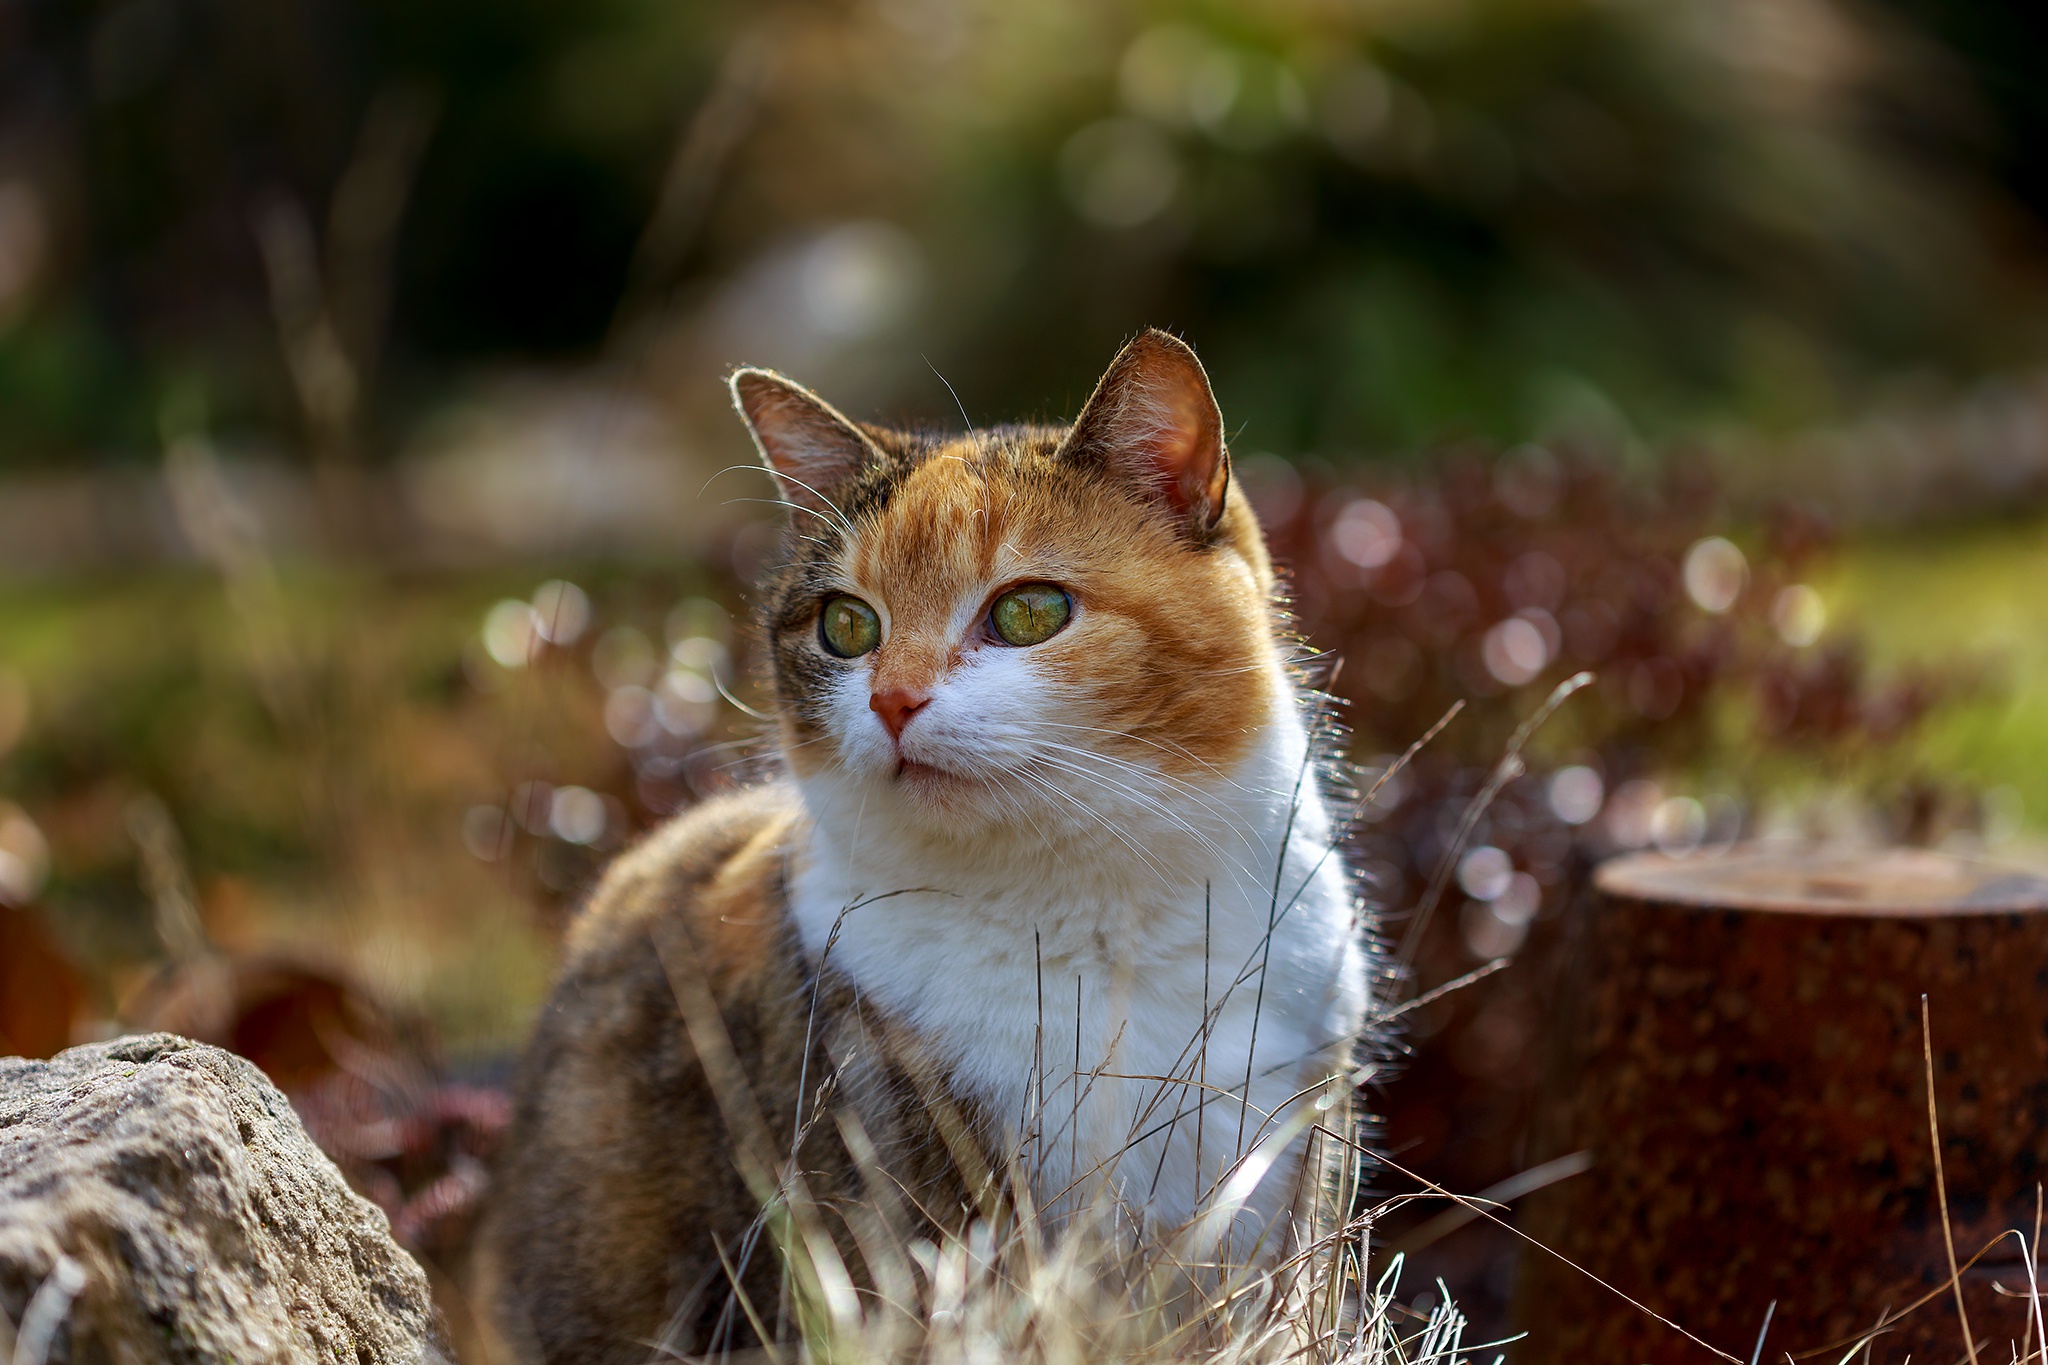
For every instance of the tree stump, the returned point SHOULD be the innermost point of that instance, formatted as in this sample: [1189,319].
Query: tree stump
[1740,1052]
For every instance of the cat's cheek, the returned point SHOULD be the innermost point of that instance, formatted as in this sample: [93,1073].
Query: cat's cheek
[1098,681]
[862,744]
[986,715]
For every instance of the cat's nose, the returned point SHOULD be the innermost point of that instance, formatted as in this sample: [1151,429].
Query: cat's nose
[896,707]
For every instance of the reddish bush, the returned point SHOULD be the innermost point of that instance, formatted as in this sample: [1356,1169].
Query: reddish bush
[1487,580]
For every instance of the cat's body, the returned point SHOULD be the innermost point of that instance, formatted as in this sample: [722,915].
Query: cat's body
[1050,877]
[622,1173]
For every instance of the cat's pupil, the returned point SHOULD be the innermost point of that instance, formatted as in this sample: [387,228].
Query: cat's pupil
[1031,614]
[849,627]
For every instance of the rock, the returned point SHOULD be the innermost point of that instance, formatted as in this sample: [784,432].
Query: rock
[160,1202]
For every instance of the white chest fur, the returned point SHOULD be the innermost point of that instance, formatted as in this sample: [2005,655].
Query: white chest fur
[1106,983]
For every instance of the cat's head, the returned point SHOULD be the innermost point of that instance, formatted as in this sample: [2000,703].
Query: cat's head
[1025,624]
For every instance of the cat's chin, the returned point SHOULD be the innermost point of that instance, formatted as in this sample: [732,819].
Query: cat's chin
[942,795]
[928,782]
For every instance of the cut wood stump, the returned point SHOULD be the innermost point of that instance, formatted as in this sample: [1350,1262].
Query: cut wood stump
[1740,1053]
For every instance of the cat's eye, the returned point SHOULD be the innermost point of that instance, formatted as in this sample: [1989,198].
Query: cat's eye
[849,627]
[1031,614]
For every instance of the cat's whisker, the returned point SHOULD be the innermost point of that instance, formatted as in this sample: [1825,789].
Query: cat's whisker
[1157,808]
[1153,773]
[838,518]
[842,524]
[1180,751]
[1148,771]
[1084,808]
[1194,794]
[1076,761]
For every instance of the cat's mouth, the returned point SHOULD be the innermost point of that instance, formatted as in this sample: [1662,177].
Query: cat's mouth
[910,770]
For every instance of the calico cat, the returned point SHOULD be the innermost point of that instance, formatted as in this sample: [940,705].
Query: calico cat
[1049,883]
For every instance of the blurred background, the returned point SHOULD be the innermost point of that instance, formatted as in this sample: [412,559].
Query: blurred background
[373,552]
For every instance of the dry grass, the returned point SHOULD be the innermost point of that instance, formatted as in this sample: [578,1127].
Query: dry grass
[1015,1287]
[1018,1297]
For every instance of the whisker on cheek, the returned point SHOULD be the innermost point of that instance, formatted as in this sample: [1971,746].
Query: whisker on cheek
[1143,855]
[1193,790]
[1171,818]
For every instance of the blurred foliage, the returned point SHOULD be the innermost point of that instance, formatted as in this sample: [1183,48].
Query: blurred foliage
[148,135]
[1378,220]
[1384,222]
[316,792]
[2001,45]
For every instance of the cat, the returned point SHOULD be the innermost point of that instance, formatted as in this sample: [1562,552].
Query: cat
[1049,873]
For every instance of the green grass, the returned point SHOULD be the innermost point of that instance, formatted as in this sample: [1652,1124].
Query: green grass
[1975,595]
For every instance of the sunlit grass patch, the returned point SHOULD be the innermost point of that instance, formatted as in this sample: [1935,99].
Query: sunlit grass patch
[1973,592]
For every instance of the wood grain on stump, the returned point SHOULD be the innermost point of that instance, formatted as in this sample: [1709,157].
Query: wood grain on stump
[1740,1052]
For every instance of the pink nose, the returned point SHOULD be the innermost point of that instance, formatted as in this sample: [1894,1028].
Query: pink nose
[896,707]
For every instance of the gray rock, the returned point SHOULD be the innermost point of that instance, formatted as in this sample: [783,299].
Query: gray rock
[160,1202]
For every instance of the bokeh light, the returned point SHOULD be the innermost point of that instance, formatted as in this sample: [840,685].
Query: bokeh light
[1715,572]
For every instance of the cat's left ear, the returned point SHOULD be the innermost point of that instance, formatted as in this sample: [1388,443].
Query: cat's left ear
[1153,422]
[806,443]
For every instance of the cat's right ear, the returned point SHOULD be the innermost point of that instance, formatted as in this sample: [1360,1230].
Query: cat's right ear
[807,444]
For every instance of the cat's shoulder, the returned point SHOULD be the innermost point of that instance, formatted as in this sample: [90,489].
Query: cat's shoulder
[617,1170]
[711,879]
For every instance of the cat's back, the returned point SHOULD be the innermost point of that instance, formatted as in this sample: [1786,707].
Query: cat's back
[618,1159]
[713,872]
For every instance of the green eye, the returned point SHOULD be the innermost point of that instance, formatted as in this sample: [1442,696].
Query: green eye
[1031,614]
[849,627]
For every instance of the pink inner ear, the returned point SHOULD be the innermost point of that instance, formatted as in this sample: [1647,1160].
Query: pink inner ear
[1174,444]
[1169,426]
[1153,422]
[806,442]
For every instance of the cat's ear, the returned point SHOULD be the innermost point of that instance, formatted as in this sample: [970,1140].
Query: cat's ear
[1153,422]
[806,443]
